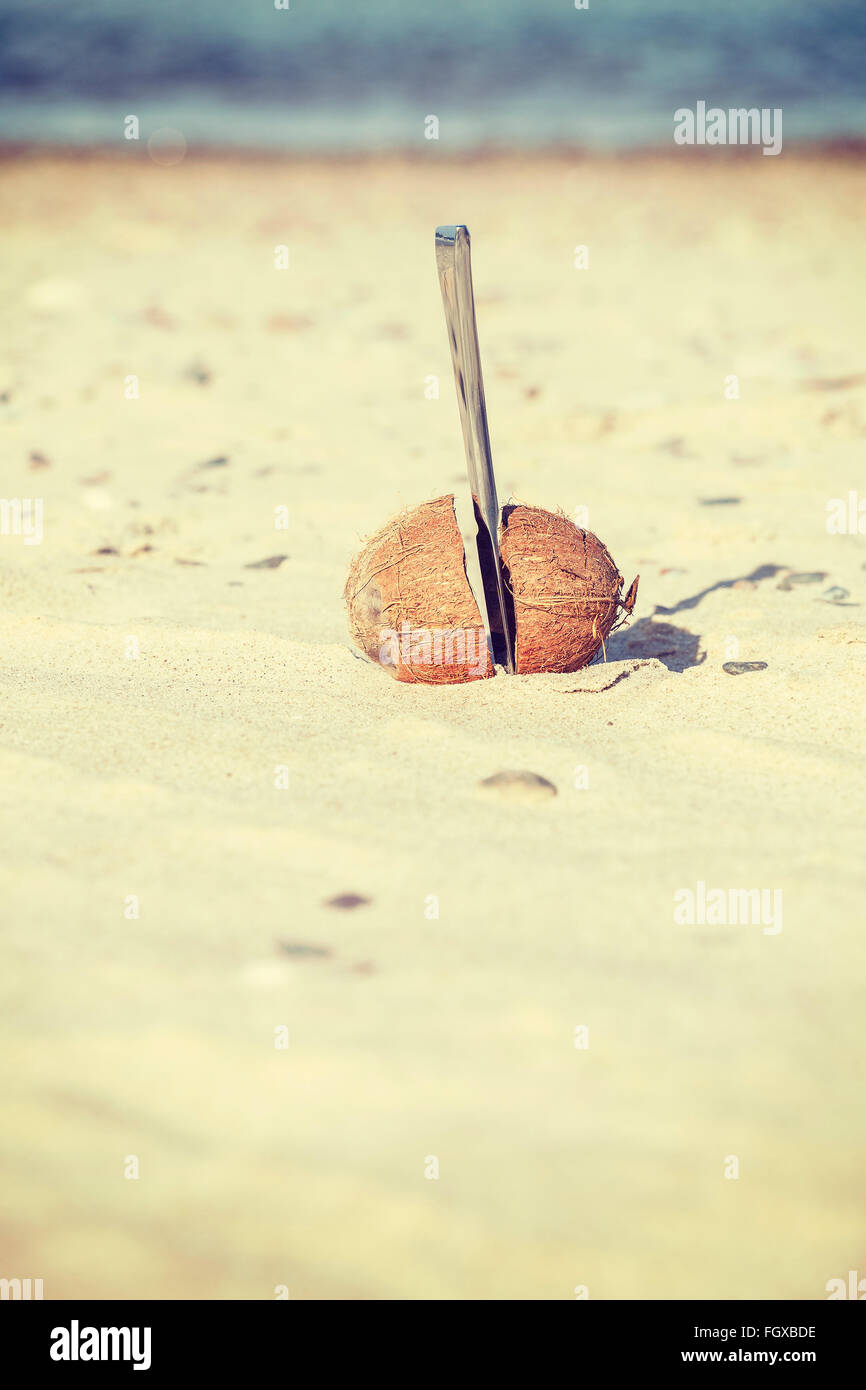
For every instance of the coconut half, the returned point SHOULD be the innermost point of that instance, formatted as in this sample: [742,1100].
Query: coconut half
[410,604]
[565,587]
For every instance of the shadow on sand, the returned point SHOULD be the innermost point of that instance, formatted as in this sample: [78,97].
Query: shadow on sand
[674,646]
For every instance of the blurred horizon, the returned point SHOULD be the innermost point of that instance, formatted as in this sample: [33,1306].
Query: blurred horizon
[330,76]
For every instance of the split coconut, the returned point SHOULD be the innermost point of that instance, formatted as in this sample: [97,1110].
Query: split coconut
[566,590]
[412,610]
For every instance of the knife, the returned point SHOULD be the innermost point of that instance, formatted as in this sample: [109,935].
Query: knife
[454,264]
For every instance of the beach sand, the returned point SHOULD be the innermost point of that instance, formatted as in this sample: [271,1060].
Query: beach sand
[244,769]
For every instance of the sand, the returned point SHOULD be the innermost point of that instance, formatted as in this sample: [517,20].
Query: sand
[245,768]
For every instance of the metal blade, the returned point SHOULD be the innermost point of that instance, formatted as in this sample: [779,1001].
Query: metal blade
[454,264]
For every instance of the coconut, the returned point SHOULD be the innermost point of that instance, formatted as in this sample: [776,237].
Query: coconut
[410,604]
[411,608]
[565,587]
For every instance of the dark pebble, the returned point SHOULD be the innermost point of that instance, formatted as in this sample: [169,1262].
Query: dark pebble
[199,373]
[299,948]
[736,668]
[811,578]
[675,446]
[347,901]
[517,786]
[719,501]
[273,562]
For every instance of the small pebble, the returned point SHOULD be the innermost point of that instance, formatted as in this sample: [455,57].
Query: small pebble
[271,563]
[299,948]
[198,372]
[517,786]
[158,317]
[834,383]
[736,668]
[347,901]
[719,501]
[791,579]
[835,595]
[287,323]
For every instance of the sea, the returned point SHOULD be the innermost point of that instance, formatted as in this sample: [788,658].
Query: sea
[350,76]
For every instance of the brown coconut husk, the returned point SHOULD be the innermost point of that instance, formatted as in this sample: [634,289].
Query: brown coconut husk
[413,572]
[565,587]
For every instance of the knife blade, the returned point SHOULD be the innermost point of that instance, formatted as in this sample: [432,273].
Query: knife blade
[454,264]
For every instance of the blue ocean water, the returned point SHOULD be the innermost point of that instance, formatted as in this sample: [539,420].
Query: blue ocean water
[350,75]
